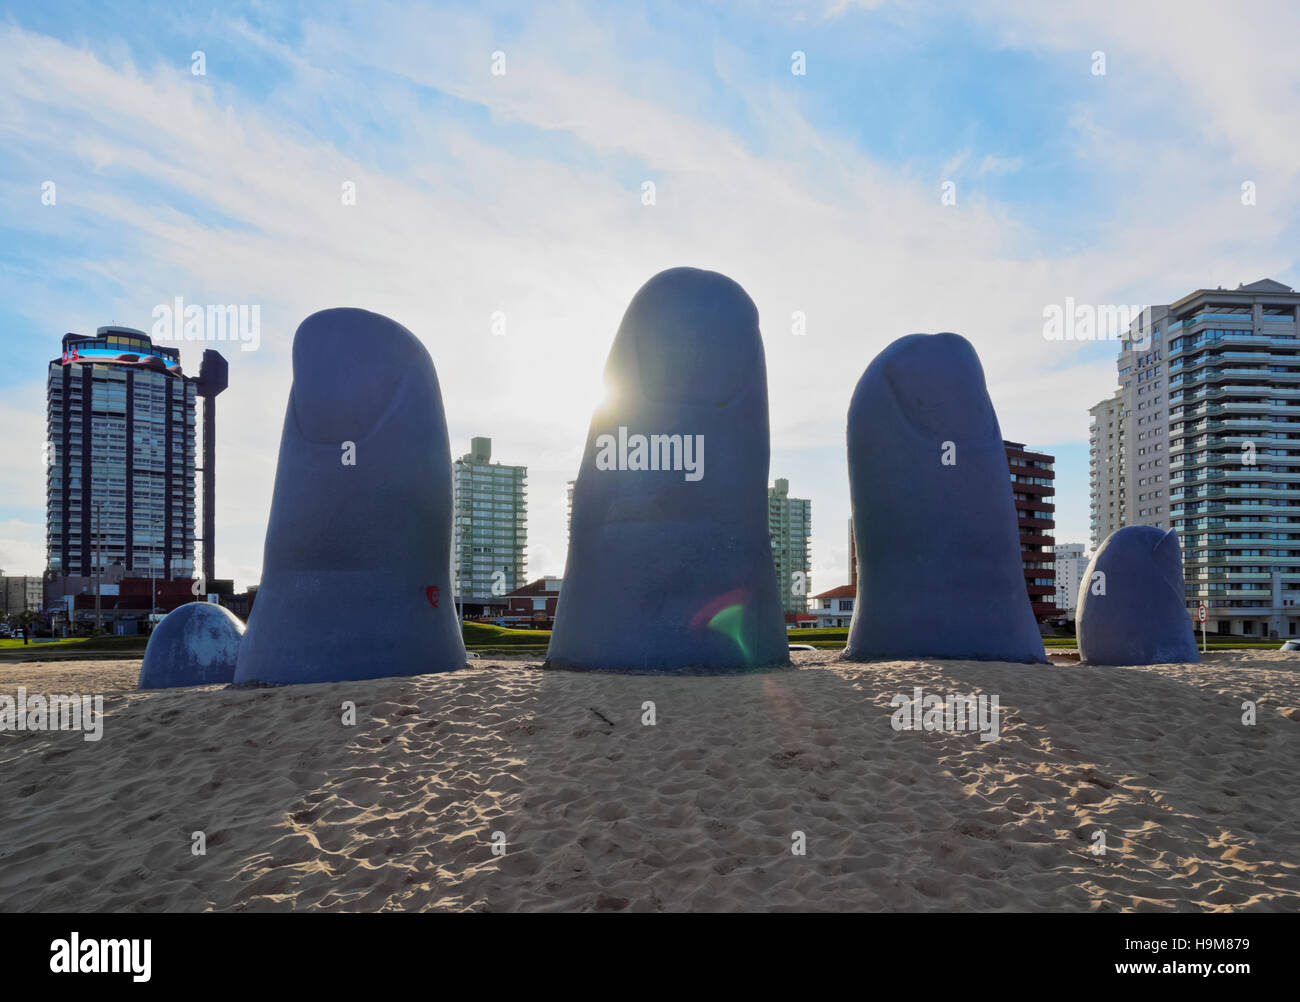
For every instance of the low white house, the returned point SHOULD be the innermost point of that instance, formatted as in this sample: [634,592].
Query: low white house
[835,607]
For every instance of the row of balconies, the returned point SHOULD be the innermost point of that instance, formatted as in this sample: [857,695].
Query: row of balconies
[1262,372]
[1229,464]
[1182,495]
[1232,461]
[1213,477]
[1186,360]
[1203,339]
[1244,407]
[1188,510]
[1212,392]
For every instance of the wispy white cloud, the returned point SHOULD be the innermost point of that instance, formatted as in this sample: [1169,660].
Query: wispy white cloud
[999,165]
[22,547]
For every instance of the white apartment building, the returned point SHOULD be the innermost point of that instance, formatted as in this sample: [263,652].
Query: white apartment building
[1143,381]
[491,529]
[789,529]
[1106,467]
[1071,563]
[1128,440]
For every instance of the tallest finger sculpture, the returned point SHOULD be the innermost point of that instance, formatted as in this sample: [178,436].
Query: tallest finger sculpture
[670,563]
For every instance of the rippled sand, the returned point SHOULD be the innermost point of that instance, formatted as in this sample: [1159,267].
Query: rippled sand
[699,811]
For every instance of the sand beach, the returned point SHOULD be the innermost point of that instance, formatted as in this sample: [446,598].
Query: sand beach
[506,787]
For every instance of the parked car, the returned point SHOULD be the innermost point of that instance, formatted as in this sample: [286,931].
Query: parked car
[5,632]
[802,647]
[1290,645]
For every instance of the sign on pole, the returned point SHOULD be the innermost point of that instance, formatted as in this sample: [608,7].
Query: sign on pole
[1202,613]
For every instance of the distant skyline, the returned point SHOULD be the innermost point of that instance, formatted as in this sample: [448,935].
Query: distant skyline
[502,217]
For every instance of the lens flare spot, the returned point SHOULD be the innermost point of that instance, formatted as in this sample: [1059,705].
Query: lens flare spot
[730,621]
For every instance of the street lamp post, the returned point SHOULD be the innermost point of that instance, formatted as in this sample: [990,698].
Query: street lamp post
[153,578]
[99,616]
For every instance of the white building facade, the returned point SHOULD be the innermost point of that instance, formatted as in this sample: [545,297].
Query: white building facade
[1070,566]
[491,529]
[789,529]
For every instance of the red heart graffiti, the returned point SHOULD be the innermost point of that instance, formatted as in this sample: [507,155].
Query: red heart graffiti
[432,594]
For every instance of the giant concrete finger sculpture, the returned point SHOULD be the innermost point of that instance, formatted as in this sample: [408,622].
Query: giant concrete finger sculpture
[940,572]
[1131,609]
[356,572]
[195,644]
[670,564]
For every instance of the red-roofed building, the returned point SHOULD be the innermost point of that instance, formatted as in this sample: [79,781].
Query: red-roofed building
[834,608]
[800,621]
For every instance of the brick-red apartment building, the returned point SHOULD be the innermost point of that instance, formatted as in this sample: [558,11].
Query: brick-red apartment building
[1033,476]
[533,605]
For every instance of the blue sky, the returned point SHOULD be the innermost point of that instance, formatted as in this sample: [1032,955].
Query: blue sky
[521,193]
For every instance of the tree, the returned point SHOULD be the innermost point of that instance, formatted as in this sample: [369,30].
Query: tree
[27,617]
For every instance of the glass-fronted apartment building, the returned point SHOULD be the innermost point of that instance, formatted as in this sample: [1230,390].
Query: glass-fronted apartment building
[789,527]
[491,529]
[1234,454]
[120,456]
